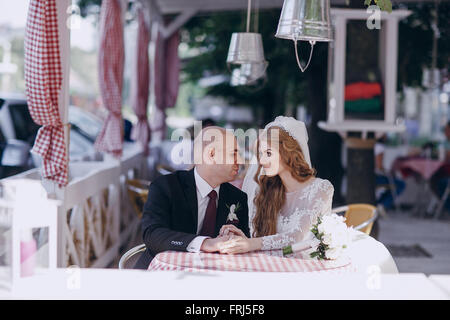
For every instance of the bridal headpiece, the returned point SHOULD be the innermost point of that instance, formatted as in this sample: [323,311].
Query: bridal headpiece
[296,129]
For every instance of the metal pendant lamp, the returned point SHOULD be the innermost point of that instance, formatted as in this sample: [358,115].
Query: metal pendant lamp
[305,20]
[246,50]
[248,73]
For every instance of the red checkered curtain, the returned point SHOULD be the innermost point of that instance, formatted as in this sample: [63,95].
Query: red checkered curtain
[43,80]
[172,73]
[110,65]
[140,89]
[167,74]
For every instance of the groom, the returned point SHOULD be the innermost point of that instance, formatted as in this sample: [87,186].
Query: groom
[186,209]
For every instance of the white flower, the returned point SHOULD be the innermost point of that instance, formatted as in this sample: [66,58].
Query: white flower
[232,215]
[334,234]
[333,253]
[340,237]
[327,239]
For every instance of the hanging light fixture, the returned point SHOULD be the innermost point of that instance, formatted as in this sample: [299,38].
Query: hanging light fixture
[246,50]
[248,73]
[305,20]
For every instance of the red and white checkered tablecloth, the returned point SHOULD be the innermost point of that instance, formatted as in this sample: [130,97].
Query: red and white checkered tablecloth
[262,261]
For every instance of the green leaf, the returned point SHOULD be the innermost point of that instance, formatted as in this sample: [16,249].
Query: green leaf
[384,5]
[389,6]
[287,250]
[367,2]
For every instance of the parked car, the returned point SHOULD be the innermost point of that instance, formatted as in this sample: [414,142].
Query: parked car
[17,135]
[84,129]
[18,132]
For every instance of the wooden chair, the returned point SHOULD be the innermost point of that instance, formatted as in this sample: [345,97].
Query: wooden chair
[360,216]
[164,169]
[138,193]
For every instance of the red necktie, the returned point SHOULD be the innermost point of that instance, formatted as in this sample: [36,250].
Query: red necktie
[209,223]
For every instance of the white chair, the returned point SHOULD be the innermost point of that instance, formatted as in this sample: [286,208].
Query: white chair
[129,259]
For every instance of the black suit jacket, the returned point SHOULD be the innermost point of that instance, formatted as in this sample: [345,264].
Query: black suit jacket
[170,216]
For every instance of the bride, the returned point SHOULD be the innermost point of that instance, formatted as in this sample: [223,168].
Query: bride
[284,196]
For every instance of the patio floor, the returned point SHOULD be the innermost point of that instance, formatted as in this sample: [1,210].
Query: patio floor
[432,236]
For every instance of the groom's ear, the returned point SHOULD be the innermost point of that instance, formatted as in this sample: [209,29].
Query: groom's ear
[212,152]
[208,154]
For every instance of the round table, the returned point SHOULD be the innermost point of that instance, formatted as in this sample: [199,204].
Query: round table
[365,254]
[426,168]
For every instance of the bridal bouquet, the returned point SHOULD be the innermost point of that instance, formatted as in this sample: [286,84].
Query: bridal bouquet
[329,237]
[334,237]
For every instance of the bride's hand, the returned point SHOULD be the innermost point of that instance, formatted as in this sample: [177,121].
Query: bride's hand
[229,229]
[239,245]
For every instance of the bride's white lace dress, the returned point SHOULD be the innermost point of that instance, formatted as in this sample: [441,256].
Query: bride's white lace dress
[300,212]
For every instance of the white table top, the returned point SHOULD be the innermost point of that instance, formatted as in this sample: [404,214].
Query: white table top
[442,281]
[368,255]
[137,284]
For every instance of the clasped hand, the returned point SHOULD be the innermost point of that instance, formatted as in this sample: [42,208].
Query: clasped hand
[231,240]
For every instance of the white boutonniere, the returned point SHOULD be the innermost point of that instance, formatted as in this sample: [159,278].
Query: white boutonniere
[232,217]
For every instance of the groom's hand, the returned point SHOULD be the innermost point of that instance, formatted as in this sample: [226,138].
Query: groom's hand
[229,229]
[213,244]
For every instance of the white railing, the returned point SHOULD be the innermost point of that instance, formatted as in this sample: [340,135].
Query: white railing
[95,217]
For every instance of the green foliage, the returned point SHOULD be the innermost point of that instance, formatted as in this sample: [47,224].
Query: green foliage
[384,5]
[322,247]
[287,250]
[415,42]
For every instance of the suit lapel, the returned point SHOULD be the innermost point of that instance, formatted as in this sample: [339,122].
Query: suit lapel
[191,196]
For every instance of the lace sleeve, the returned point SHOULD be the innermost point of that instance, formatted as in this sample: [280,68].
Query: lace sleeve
[296,226]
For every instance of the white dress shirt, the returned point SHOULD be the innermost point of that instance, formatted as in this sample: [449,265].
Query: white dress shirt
[203,189]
